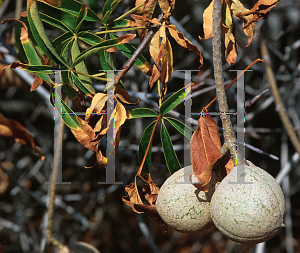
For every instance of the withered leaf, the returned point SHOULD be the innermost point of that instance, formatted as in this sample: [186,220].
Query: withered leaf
[150,190]
[138,17]
[145,11]
[133,196]
[85,135]
[228,34]
[249,29]
[205,145]
[166,66]
[97,105]
[207,22]
[37,82]
[13,129]
[123,95]
[166,5]
[260,11]
[183,41]
[225,164]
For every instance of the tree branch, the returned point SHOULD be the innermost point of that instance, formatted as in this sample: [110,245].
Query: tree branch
[230,140]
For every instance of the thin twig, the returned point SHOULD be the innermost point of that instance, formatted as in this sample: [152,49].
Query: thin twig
[136,54]
[228,132]
[278,101]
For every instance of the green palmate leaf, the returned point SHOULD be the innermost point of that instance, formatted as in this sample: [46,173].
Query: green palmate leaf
[65,51]
[38,69]
[169,153]
[108,8]
[181,128]
[34,60]
[81,16]
[18,43]
[80,67]
[120,23]
[106,61]
[141,113]
[32,56]
[174,100]
[58,14]
[102,46]
[71,7]
[70,89]
[62,39]
[85,88]
[141,61]
[89,38]
[39,32]
[54,22]
[147,169]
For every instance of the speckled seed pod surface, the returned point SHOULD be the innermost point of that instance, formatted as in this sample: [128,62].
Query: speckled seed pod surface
[251,209]
[181,205]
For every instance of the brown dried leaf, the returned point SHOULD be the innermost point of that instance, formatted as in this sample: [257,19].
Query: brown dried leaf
[97,105]
[12,129]
[85,135]
[183,41]
[150,190]
[155,76]
[145,11]
[205,145]
[228,34]
[166,66]
[249,29]
[37,82]
[101,159]
[226,164]
[126,38]
[260,11]
[207,22]
[123,95]
[138,17]
[133,197]
[166,5]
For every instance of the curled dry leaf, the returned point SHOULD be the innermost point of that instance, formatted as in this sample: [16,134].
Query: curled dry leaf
[115,120]
[133,200]
[133,197]
[12,129]
[85,135]
[183,41]
[37,82]
[146,11]
[227,29]
[166,6]
[228,33]
[225,164]
[205,145]
[138,17]
[161,52]
[259,11]
[207,22]
[238,8]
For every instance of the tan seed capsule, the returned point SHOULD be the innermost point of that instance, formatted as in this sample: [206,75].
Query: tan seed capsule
[248,205]
[181,205]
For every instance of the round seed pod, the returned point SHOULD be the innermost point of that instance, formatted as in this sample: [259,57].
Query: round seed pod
[248,206]
[181,205]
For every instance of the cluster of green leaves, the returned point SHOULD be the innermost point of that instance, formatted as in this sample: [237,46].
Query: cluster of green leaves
[168,150]
[80,25]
